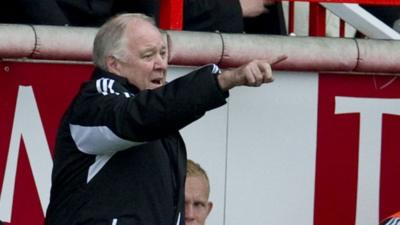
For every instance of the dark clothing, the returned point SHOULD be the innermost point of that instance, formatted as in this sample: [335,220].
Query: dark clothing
[387,14]
[199,15]
[43,12]
[91,13]
[119,157]
[272,22]
[96,12]
[213,15]
[226,16]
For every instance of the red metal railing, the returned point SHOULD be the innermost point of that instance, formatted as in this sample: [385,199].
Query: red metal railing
[171,14]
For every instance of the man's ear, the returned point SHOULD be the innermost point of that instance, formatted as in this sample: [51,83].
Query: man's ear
[113,65]
[209,206]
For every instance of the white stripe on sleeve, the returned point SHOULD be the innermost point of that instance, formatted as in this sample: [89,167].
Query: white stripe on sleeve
[98,140]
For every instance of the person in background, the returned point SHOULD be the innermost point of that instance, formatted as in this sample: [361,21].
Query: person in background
[231,16]
[197,193]
[390,15]
[119,157]
[261,16]
[86,13]
[271,21]
[391,220]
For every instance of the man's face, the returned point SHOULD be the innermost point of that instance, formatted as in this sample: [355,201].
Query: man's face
[146,63]
[197,206]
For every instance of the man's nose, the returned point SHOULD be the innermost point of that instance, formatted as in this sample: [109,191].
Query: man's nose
[188,211]
[161,62]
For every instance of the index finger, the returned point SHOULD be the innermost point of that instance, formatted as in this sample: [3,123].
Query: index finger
[278,59]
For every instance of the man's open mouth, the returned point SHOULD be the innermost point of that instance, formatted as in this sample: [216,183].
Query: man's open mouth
[157,81]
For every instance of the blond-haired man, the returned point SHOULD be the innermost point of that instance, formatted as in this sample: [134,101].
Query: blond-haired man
[197,193]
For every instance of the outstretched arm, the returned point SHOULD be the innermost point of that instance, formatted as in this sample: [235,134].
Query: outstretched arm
[254,73]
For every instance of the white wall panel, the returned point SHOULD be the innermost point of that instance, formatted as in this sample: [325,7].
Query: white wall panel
[271,152]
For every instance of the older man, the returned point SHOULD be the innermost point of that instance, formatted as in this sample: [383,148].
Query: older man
[119,157]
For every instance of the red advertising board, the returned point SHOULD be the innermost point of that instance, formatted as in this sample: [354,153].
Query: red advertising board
[53,87]
[340,150]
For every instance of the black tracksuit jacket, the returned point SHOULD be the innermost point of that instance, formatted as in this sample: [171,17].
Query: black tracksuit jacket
[119,158]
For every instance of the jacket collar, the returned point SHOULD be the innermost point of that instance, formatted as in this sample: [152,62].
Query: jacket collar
[99,73]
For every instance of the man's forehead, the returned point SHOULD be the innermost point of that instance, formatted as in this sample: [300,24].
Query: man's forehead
[144,34]
[140,25]
[197,180]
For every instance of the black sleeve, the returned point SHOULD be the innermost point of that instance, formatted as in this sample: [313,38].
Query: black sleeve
[91,13]
[213,15]
[148,7]
[151,114]
[272,22]
[41,12]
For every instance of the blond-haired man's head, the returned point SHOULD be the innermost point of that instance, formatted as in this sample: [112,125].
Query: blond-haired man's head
[197,192]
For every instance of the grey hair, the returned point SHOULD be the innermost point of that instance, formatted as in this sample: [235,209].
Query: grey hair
[110,38]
